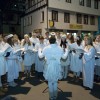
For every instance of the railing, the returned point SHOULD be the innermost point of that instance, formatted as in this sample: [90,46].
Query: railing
[35,5]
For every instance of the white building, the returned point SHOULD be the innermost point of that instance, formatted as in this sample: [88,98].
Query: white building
[75,16]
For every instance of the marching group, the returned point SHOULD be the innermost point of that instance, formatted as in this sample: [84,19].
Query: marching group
[54,54]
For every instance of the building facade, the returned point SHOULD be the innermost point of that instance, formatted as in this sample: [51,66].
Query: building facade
[68,16]
[0,21]
[99,25]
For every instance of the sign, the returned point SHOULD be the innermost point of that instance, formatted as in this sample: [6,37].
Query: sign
[75,26]
[38,30]
[51,23]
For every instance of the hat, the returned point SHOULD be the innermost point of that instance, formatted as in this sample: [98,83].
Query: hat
[9,36]
[53,33]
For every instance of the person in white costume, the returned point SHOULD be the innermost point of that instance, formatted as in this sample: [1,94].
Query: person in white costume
[16,42]
[11,63]
[83,42]
[58,38]
[2,65]
[76,62]
[97,58]
[40,62]
[70,38]
[34,40]
[28,54]
[64,63]
[46,38]
[16,47]
[2,60]
[89,64]
[52,71]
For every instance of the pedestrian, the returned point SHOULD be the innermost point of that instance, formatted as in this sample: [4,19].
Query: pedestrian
[97,58]
[64,62]
[52,69]
[28,55]
[11,63]
[89,64]
[40,62]
[2,65]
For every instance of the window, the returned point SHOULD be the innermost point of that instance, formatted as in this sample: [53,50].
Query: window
[79,18]
[29,3]
[55,15]
[33,2]
[92,20]
[24,21]
[66,17]
[96,2]
[85,19]
[29,20]
[88,3]
[81,2]
[42,16]
[68,1]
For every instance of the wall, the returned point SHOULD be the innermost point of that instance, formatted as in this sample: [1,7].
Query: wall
[36,22]
[74,6]
[61,25]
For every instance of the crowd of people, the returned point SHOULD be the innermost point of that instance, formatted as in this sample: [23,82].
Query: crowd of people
[55,55]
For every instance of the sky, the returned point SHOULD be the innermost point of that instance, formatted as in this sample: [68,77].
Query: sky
[3,3]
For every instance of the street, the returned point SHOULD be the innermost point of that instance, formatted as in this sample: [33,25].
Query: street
[32,89]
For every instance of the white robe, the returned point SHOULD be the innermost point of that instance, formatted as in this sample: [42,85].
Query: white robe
[19,61]
[28,56]
[97,61]
[76,63]
[12,66]
[97,47]
[34,40]
[2,63]
[52,70]
[83,44]
[88,68]
[3,68]
[58,40]
[16,46]
[39,65]
[46,41]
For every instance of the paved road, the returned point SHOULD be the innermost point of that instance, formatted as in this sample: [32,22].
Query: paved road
[32,88]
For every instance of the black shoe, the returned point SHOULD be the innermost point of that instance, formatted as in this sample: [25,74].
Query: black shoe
[77,79]
[87,88]
[82,85]
[98,80]
[74,78]
[28,74]
[51,99]
[55,98]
